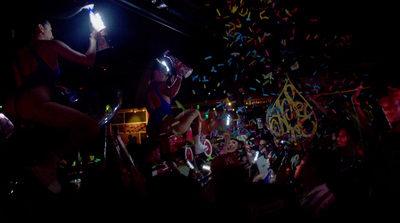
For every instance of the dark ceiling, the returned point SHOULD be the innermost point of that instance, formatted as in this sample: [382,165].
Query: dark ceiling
[334,39]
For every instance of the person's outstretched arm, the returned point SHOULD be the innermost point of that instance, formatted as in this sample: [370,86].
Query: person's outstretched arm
[361,116]
[86,59]
[172,90]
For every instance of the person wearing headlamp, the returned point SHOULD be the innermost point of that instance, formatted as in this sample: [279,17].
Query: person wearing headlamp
[159,95]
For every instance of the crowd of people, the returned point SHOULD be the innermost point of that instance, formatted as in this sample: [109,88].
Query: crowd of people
[253,175]
[353,175]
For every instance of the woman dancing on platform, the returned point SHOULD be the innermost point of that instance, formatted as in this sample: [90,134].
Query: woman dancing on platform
[36,70]
[158,103]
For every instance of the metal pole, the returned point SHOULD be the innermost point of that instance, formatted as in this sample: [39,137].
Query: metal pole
[105,145]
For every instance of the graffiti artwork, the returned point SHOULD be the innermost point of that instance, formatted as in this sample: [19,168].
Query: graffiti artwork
[291,115]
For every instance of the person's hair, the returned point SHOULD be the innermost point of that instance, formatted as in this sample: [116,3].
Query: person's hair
[267,137]
[381,87]
[381,93]
[157,65]
[25,29]
[352,132]
[34,22]
[241,143]
[326,162]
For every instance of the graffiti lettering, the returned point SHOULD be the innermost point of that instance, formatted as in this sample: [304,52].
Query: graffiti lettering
[291,115]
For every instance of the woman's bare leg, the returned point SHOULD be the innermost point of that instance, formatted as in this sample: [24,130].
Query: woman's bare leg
[37,106]
[80,128]
[187,118]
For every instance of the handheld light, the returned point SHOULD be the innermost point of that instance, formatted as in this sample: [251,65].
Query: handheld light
[96,21]
[98,25]
[95,18]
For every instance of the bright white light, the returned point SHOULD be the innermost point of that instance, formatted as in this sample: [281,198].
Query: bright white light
[96,21]
[88,7]
[256,157]
[228,119]
[165,64]
[189,164]
[206,167]
[6,126]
